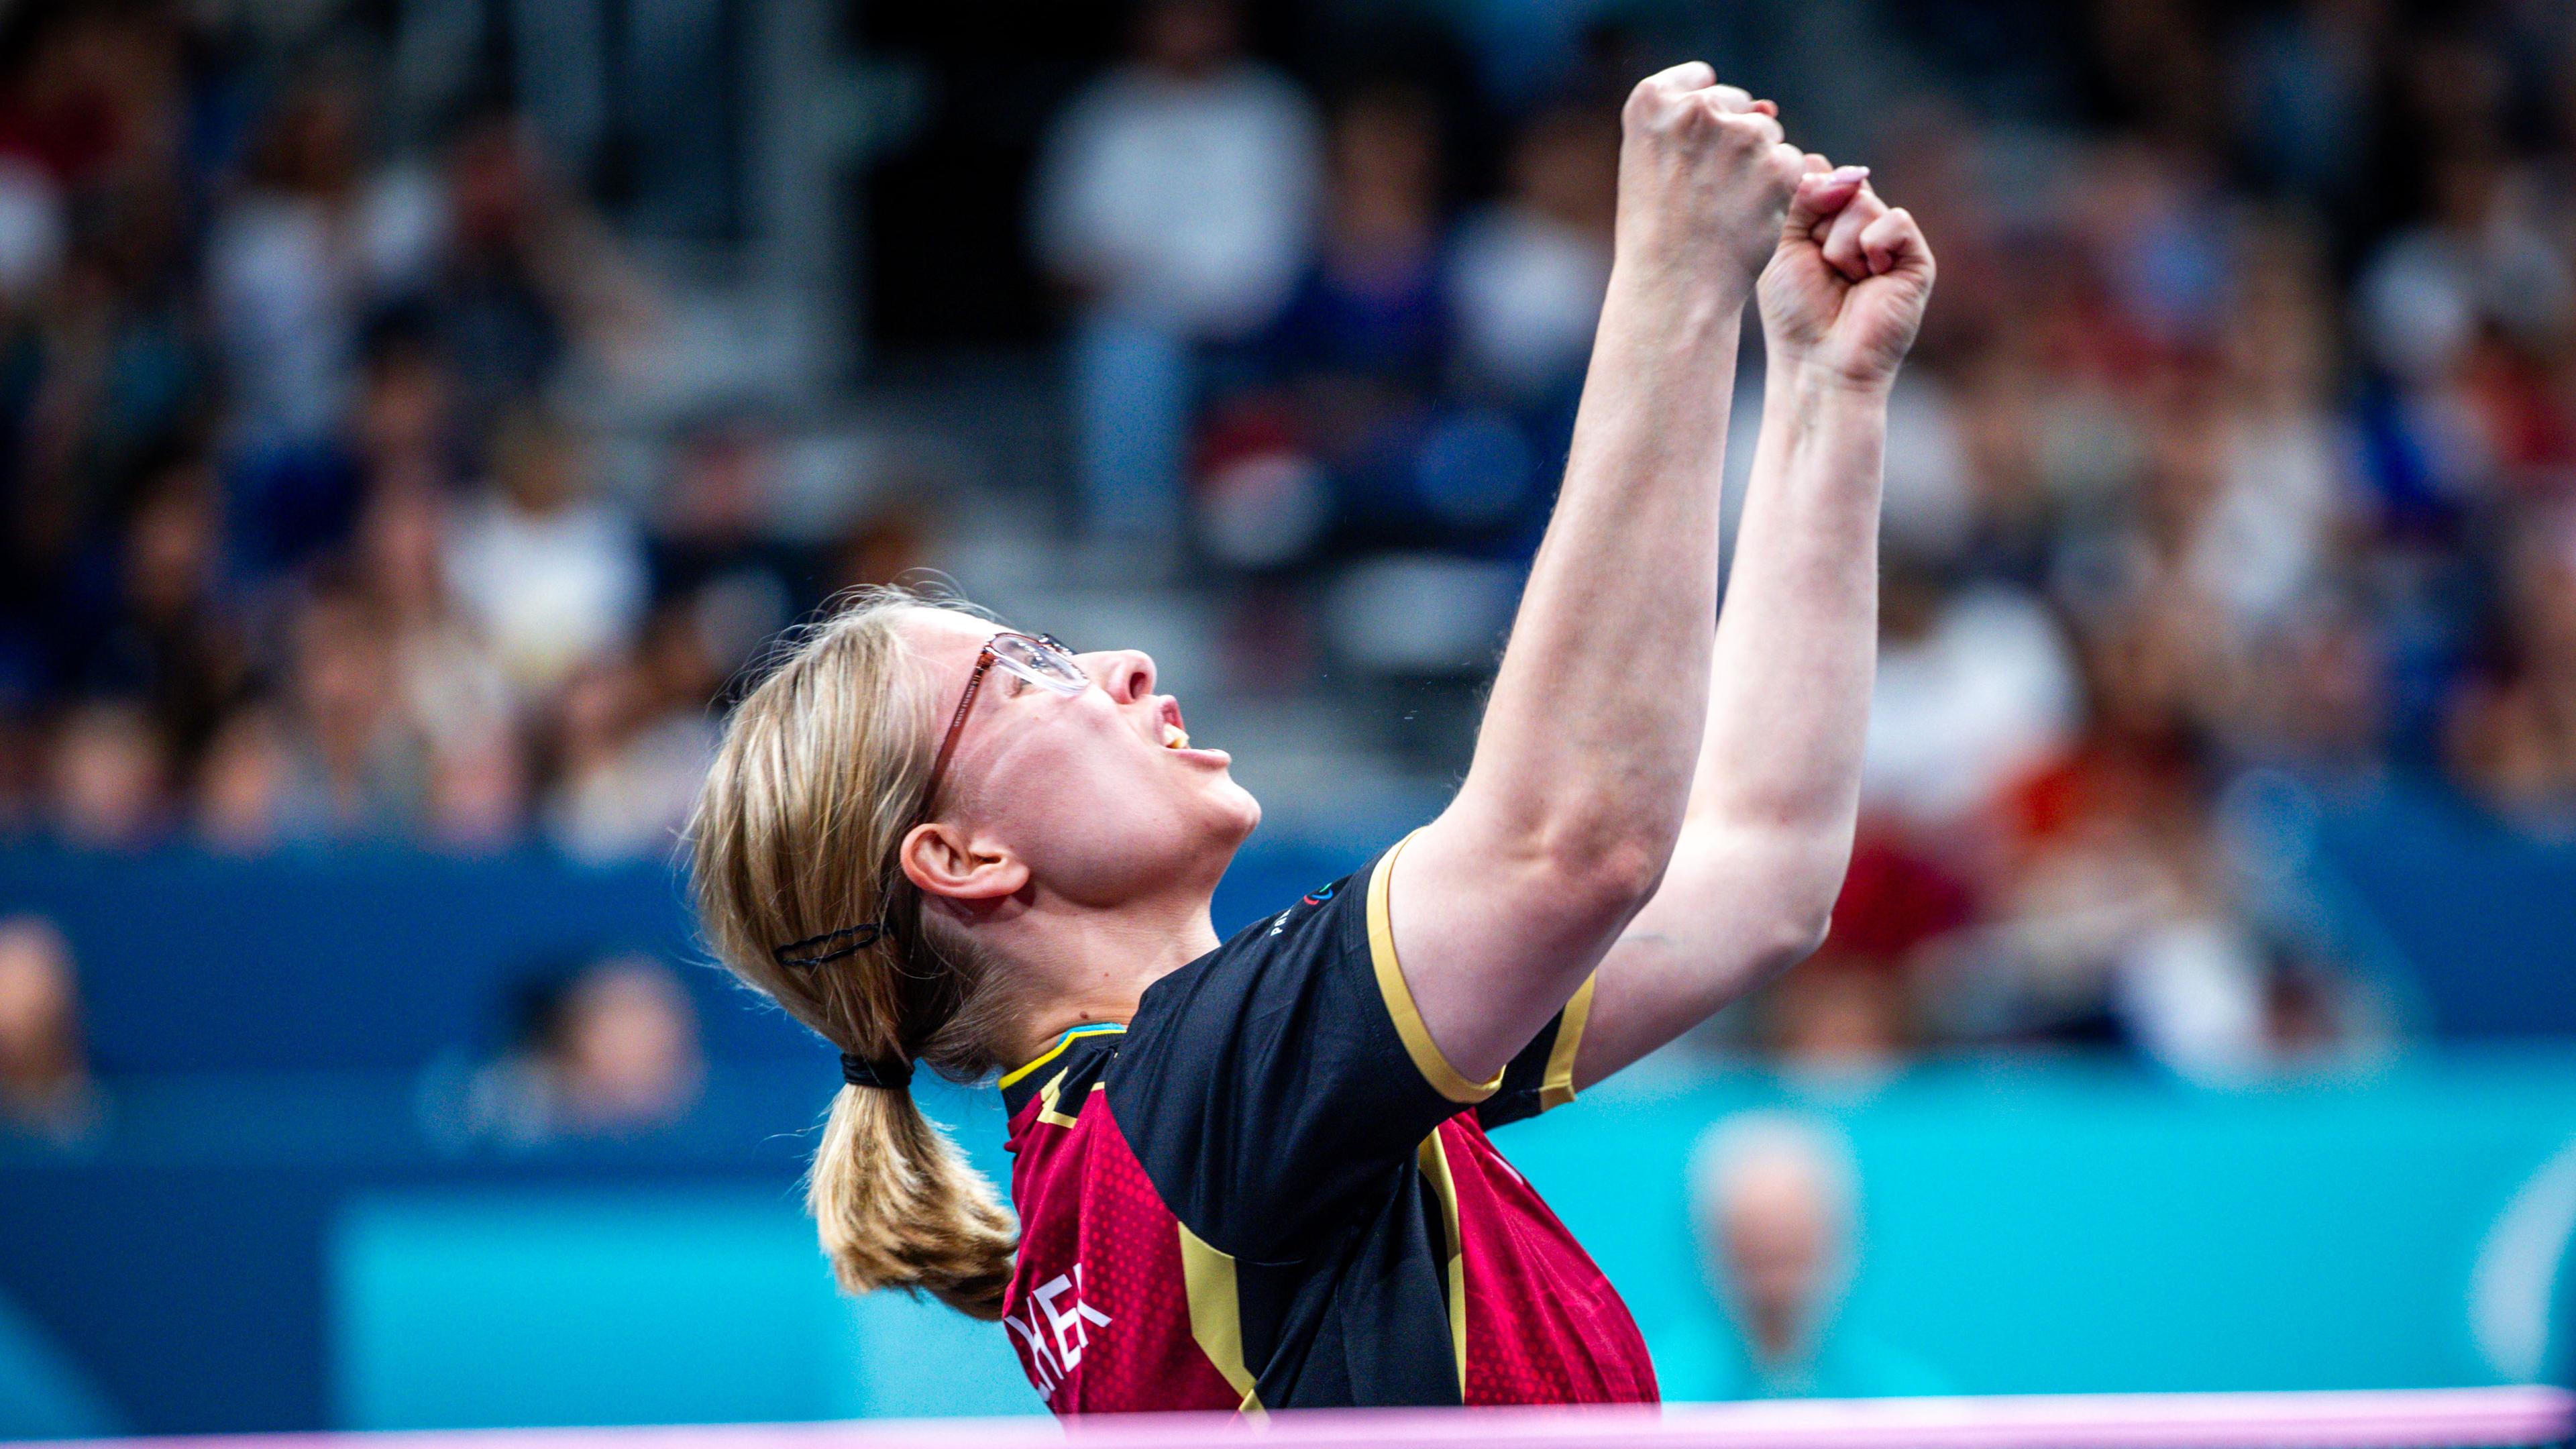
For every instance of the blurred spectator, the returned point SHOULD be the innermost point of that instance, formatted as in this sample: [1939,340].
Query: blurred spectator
[609,1051]
[295,261]
[1365,337]
[1776,1200]
[45,1086]
[526,280]
[1529,272]
[353,755]
[445,675]
[627,767]
[1175,201]
[1976,692]
[1843,1020]
[294,264]
[715,537]
[2513,731]
[174,640]
[109,779]
[241,783]
[550,574]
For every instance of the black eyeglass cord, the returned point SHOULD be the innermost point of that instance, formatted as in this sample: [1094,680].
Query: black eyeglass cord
[847,941]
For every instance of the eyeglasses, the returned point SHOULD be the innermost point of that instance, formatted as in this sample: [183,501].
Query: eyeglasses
[1042,660]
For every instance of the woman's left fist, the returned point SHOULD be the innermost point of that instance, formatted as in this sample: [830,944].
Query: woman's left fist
[1845,291]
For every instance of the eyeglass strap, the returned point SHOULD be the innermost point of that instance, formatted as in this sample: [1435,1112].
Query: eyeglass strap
[956,722]
[847,941]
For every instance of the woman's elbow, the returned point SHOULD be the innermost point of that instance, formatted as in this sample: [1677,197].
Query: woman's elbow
[1799,936]
[1610,877]
[1804,902]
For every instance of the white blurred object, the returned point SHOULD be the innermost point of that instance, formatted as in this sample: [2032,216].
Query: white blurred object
[1986,695]
[1422,614]
[2421,298]
[2192,994]
[1183,201]
[2259,549]
[2518,1268]
[548,590]
[1528,292]
[31,228]
[1928,501]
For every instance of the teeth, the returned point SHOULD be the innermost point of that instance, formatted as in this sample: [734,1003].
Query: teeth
[1175,737]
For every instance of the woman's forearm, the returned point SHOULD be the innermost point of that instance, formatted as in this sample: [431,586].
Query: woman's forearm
[1590,733]
[1767,835]
[1596,712]
[1798,643]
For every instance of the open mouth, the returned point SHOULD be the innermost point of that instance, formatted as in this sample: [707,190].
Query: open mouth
[1175,736]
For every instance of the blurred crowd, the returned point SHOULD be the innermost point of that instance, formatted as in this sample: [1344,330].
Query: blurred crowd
[307,540]
[2237,450]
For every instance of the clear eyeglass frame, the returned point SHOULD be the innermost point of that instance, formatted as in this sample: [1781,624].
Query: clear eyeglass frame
[1040,659]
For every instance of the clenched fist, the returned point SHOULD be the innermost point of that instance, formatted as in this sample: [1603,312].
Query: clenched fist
[1704,179]
[1846,290]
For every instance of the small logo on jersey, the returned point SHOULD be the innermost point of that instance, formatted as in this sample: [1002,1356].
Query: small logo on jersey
[1317,898]
[1056,1332]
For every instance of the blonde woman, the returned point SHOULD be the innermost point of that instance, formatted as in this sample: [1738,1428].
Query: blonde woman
[1255,1173]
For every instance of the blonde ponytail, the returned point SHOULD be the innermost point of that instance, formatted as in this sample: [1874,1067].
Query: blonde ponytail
[822,769]
[897,1205]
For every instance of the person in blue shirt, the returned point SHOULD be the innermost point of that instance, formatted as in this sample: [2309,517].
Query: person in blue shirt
[1775,1198]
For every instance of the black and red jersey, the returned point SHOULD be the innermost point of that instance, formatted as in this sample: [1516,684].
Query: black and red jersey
[1269,1190]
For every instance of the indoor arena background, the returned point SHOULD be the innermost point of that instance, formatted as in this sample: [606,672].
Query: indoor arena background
[414,412]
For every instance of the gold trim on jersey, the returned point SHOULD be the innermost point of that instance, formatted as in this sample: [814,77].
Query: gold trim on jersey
[1434,1159]
[1557,1087]
[1216,1314]
[1015,1075]
[1048,1094]
[1435,1068]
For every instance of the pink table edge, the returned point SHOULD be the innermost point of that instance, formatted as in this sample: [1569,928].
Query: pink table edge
[2486,1418]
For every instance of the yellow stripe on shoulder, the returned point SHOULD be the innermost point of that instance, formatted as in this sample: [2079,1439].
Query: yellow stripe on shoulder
[1017,1074]
[1557,1087]
[1444,1078]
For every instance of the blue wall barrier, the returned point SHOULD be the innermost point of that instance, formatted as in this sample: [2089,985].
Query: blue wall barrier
[383,959]
[2029,1226]
[2054,1227]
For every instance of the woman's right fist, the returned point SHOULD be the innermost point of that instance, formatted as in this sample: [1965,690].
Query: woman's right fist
[1704,177]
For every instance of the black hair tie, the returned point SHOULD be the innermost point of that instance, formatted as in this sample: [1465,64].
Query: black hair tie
[891,1076]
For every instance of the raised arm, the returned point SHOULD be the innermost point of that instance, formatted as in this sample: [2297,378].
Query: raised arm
[1501,907]
[1768,833]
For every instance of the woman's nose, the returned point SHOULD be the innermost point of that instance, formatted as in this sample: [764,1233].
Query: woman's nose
[1127,674]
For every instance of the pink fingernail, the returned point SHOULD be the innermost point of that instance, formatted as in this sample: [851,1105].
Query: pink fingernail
[1851,173]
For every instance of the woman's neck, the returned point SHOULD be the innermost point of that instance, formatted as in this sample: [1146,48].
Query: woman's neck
[1093,966]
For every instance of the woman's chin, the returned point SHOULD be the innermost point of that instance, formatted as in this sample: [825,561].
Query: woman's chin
[1248,810]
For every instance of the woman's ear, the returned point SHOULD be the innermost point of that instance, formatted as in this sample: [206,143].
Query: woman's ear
[941,861]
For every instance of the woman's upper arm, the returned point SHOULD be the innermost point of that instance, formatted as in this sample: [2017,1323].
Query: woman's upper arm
[1487,940]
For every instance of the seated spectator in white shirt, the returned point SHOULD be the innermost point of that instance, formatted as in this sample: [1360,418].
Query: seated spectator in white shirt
[552,575]
[1176,201]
